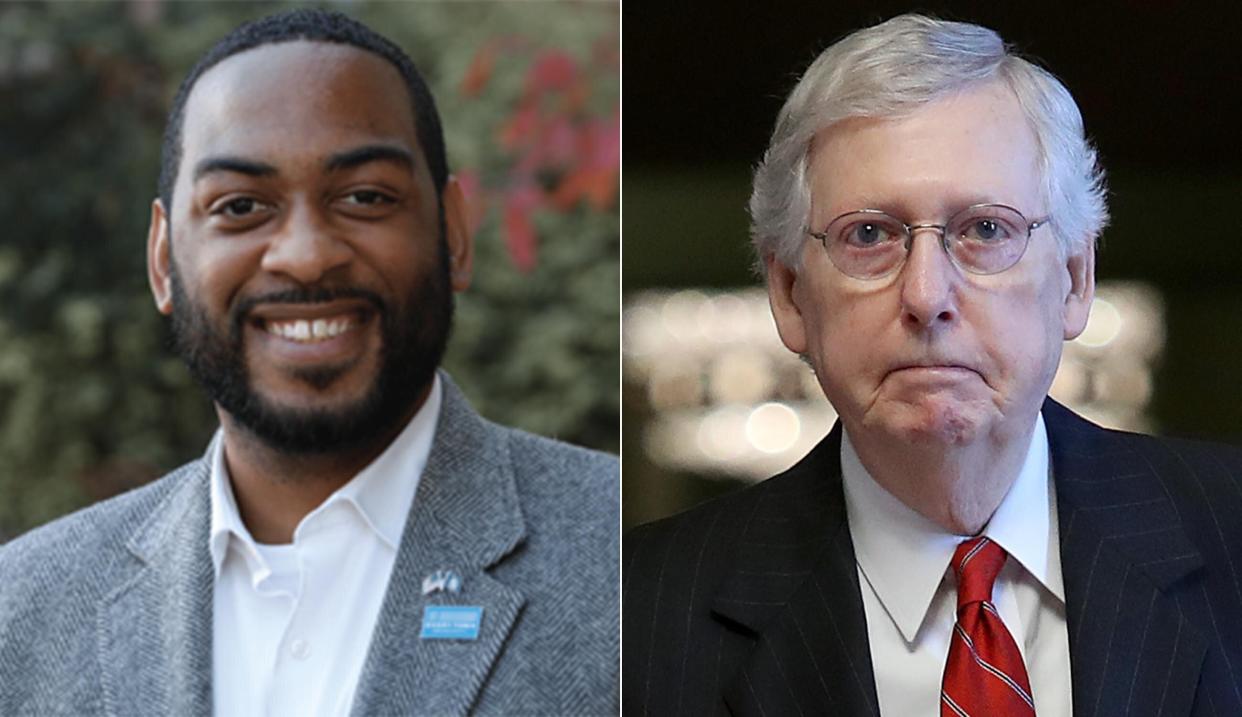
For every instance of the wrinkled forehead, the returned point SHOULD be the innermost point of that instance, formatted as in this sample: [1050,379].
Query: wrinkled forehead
[976,143]
[280,97]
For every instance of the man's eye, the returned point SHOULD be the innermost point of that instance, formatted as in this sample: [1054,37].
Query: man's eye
[238,207]
[368,198]
[987,230]
[867,234]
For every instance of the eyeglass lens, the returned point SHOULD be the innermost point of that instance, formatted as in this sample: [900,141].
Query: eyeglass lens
[984,239]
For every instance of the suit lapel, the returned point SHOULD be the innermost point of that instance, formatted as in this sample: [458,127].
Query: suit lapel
[795,592]
[154,631]
[795,589]
[1131,651]
[466,517]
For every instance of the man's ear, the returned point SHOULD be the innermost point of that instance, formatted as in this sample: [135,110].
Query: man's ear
[458,237]
[1081,268]
[782,286]
[159,259]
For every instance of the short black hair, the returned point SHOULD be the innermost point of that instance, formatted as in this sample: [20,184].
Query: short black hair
[318,26]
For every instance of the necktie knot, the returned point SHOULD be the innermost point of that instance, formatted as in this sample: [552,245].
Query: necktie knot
[976,563]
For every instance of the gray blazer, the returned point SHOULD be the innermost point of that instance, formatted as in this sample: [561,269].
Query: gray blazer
[108,611]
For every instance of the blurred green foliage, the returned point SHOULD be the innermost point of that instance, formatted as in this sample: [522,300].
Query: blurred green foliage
[92,401]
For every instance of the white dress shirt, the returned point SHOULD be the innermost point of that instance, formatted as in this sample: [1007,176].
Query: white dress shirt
[910,599]
[293,623]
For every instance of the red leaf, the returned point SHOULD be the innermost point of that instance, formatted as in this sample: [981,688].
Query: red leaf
[598,186]
[604,142]
[480,70]
[556,145]
[551,71]
[602,188]
[519,127]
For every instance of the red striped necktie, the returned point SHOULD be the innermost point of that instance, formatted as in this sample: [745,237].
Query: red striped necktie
[984,675]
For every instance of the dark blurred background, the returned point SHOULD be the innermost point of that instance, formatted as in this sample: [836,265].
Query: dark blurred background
[1157,83]
[91,400]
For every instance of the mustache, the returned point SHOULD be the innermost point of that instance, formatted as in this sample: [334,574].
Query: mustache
[309,295]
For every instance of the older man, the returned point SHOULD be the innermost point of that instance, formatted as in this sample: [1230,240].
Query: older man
[356,538]
[926,215]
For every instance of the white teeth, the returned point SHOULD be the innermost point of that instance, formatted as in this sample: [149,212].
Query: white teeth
[305,331]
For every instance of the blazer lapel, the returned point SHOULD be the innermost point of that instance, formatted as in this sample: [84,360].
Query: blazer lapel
[795,592]
[466,518]
[154,631]
[1131,651]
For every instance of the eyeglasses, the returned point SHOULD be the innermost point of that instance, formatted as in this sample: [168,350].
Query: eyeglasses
[980,239]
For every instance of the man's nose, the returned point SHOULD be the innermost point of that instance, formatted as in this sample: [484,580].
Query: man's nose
[928,281]
[306,248]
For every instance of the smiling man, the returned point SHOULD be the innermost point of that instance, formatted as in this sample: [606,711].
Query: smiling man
[926,216]
[356,539]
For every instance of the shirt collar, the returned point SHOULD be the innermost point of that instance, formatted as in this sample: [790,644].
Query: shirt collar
[382,493]
[904,555]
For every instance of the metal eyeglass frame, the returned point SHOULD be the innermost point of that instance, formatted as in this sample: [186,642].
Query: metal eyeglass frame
[942,229]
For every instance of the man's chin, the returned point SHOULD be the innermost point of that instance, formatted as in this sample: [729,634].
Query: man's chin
[932,421]
[312,409]
[315,424]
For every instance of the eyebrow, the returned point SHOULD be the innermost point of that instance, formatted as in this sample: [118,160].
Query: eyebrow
[366,154]
[349,159]
[210,165]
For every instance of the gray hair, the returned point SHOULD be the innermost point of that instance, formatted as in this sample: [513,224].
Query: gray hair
[894,68]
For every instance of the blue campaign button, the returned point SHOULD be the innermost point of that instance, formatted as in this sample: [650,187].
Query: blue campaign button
[451,622]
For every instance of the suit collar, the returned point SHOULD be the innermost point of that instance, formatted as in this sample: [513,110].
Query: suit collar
[1122,547]
[466,518]
[794,590]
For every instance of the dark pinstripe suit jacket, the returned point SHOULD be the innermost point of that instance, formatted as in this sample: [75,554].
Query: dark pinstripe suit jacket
[750,604]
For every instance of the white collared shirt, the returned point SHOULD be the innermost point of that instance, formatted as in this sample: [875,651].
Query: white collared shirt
[293,623]
[909,595]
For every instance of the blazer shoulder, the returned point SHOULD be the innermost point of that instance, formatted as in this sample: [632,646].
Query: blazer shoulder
[1192,451]
[708,533]
[1201,478]
[84,542]
[696,518]
[570,502]
[1196,485]
[55,580]
[567,569]
[1187,463]
[1178,463]
[575,479]
[560,457]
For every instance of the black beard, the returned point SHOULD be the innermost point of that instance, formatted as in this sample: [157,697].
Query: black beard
[414,336]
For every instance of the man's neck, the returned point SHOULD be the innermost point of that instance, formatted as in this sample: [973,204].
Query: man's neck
[275,490]
[958,488]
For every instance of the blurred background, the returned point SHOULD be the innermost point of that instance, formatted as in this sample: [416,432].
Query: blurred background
[93,402]
[710,398]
